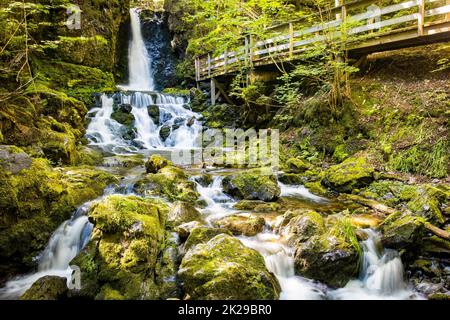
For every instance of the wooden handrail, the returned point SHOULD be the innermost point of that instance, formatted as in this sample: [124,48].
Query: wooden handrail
[285,45]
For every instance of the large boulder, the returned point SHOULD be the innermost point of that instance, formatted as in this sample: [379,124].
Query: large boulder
[170,182]
[353,173]
[300,225]
[185,229]
[127,255]
[331,257]
[203,234]
[239,224]
[47,288]
[255,184]
[295,165]
[402,231]
[183,212]
[224,269]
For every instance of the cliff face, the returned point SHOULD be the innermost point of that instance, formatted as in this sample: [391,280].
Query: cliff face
[51,71]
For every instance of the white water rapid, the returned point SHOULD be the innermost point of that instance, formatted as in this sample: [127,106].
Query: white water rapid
[64,245]
[381,275]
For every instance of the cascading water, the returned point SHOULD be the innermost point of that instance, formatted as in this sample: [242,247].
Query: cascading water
[381,275]
[64,245]
[140,75]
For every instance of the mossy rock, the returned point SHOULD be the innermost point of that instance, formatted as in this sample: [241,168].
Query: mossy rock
[35,202]
[402,231]
[257,206]
[202,235]
[254,184]
[353,173]
[47,288]
[124,256]
[291,178]
[295,165]
[331,256]
[426,201]
[183,212]
[128,161]
[14,159]
[246,225]
[156,163]
[170,182]
[224,269]
[154,113]
[89,157]
[204,180]
[185,229]
[300,225]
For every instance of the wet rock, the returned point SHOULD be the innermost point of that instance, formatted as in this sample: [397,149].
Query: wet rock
[353,173]
[155,163]
[291,178]
[426,201]
[203,235]
[154,113]
[224,269]
[165,132]
[170,182]
[295,165]
[183,212]
[255,184]
[330,257]
[124,257]
[185,229]
[13,159]
[123,161]
[246,225]
[204,180]
[47,288]
[402,230]
[177,123]
[190,122]
[301,226]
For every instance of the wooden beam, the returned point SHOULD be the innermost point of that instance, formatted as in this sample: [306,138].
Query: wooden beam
[223,92]
[213,92]
[421,17]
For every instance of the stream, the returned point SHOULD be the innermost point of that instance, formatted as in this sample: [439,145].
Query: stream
[381,273]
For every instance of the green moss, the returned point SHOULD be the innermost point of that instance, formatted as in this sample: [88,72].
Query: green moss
[353,173]
[202,235]
[295,165]
[254,184]
[156,163]
[340,153]
[245,225]
[225,269]
[257,206]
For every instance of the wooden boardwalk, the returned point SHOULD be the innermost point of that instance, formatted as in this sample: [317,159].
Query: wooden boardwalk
[370,27]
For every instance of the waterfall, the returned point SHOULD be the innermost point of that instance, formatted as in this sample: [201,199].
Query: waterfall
[140,75]
[381,274]
[64,245]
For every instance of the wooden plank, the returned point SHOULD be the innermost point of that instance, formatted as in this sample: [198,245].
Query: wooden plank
[224,94]
[420,17]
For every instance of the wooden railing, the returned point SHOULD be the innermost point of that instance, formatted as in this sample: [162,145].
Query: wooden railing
[359,22]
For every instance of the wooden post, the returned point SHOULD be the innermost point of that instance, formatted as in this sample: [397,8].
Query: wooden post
[291,40]
[209,65]
[421,19]
[213,92]
[226,61]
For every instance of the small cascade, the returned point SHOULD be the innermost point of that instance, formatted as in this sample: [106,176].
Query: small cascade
[279,260]
[64,245]
[299,191]
[381,274]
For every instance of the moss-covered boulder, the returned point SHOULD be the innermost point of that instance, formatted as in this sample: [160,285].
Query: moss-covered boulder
[156,163]
[300,225]
[291,178]
[331,257]
[183,212]
[170,182]
[202,235]
[355,172]
[35,201]
[295,165]
[255,184]
[239,224]
[204,180]
[123,161]
[257,206]
[154,113]
[426,201]
[402,231]
[124,257]
[224,269]
[47,288]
